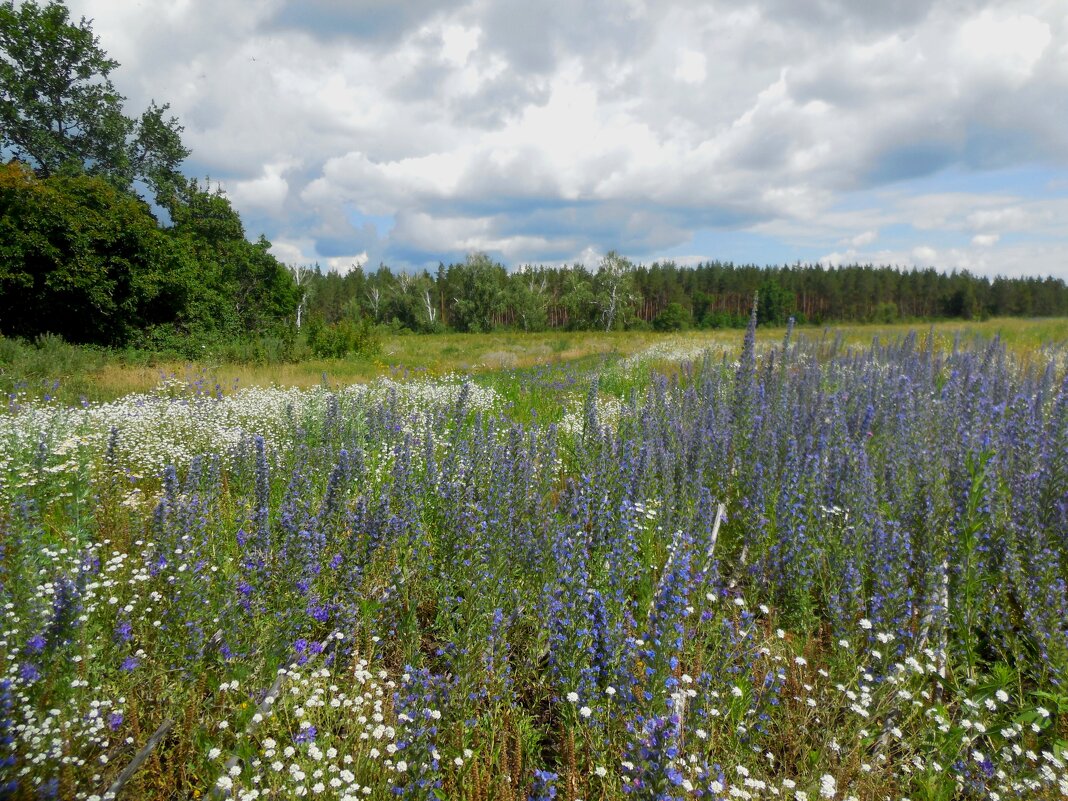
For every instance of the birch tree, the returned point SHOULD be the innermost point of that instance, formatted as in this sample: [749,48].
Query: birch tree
[614,288]
[301,276]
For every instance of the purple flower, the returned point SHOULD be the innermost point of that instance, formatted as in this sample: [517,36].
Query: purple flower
[318,612]
[306,735]
[544,787]
[123,631]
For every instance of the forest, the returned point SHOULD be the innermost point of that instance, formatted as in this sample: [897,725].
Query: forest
[481,295]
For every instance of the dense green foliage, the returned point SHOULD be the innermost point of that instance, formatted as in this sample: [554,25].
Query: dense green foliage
[478,295]
[340,339]
[674,317]
[240,288]
[81,253]
[88,261]
[84,260]
[60,112]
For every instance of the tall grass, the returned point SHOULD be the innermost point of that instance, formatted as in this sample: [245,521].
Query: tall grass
[32,371]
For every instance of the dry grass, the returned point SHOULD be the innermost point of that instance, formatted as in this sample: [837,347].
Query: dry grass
[400,356]
[1019,335]
[476,353]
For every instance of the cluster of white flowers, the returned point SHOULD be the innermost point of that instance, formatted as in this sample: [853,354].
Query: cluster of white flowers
[903,713]
[164,428]
[678,349]
[296,753]
[330,735]
[87,726]
[609,411]
[431,393]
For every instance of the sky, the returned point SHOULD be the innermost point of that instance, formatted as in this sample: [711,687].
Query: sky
[913,133]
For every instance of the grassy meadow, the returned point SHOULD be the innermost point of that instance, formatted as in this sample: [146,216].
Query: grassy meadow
[72,373]
[805,565]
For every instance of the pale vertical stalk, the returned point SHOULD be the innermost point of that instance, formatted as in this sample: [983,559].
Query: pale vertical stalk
[721,513]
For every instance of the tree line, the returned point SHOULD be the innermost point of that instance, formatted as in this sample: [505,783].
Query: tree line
[479,294]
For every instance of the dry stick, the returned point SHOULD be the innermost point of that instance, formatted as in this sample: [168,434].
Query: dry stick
[925,631]
[721,512]
[888,725]
[139,757]
[743,558]
[927,623]
[262,710]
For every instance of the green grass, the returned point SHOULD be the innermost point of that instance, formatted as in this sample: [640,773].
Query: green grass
[33,371]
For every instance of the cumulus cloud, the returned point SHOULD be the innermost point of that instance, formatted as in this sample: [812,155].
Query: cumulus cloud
[866,238]
[976,257]
[411,132]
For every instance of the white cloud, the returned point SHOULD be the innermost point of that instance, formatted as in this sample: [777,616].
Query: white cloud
[343,265]
[1009,44]
[552,131]
[291,252]
[458,42]
[1010,218]
[267,193]
[924,255]
[981,259]
[691,67]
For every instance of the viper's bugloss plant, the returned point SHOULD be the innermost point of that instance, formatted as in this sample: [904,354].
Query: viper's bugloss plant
[816,572]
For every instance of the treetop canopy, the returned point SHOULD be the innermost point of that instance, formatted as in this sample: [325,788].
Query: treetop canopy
[60,112]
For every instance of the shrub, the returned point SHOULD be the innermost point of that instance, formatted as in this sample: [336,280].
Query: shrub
[343,338]
[675,317]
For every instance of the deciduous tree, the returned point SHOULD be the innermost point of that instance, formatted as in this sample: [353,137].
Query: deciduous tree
[60,112]
[84,260]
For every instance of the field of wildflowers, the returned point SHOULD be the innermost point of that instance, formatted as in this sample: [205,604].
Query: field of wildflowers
[805,572]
